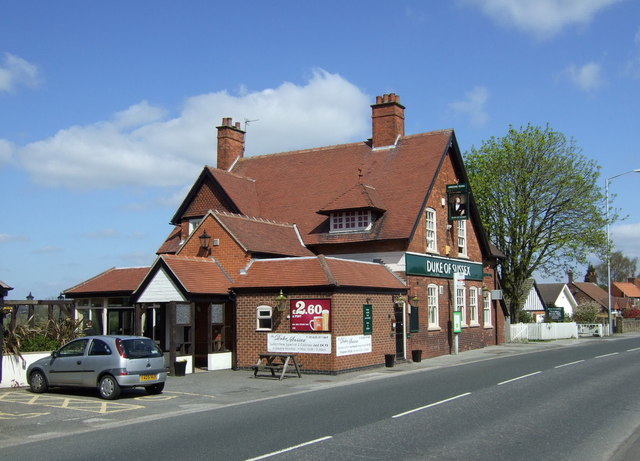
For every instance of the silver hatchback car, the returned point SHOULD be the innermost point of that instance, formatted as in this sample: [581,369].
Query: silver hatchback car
[108,363]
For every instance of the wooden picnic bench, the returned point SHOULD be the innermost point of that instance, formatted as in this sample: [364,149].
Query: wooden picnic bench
[277,362]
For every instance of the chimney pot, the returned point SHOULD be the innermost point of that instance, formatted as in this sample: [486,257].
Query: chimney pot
[387,119]
[230,143]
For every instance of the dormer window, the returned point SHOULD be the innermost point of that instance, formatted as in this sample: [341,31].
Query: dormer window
[351,221]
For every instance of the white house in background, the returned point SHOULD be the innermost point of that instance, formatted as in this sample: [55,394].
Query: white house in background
[534,304]
[557,295]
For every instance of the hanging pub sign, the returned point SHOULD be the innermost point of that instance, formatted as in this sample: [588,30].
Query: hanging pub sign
[458,201]
[310,315]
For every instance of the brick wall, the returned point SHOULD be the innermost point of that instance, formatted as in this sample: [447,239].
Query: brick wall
[346,320]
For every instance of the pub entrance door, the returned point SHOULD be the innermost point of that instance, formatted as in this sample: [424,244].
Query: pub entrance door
[399,321]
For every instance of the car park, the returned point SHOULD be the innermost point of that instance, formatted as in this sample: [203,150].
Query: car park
[107,363]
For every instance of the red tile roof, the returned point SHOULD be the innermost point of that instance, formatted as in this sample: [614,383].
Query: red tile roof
[628,289]
[172,243]
[114,280]
[593,291]
[358,197]
[198,275]
[260,236]
[317,271]
[291,187]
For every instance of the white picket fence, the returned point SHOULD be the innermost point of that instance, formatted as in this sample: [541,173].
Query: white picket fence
[523,332]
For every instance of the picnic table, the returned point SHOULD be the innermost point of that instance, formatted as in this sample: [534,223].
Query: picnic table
[276,362]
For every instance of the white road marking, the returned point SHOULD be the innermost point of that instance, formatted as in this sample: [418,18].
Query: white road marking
[268,455]
[431,405]
[519,377]
[606,355]
[570,363]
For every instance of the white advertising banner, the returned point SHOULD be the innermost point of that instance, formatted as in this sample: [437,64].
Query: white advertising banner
[299,343]
[352,345]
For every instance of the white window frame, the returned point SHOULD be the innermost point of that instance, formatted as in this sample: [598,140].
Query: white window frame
[433,307]
[462,237]
[461,304]
[430,230]
[193,223]
[487,311]
[264,313]
[351,221]
[473,306]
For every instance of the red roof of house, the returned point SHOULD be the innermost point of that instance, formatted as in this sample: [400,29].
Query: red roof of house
[172,243]
[112,280]
[197,275]
[301,187]
[317,271]
[628,289]
[293,186]
[593,291]
[260,236]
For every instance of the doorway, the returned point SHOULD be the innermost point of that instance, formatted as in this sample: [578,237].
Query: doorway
[399,321]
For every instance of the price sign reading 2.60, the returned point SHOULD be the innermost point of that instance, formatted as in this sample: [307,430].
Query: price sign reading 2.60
[302,308]
[310,314]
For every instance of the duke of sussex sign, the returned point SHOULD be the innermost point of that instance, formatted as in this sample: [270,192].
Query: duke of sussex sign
[434,266]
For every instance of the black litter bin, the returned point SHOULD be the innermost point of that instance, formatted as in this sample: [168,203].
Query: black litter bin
[416,355]
[180,368]
[389,359]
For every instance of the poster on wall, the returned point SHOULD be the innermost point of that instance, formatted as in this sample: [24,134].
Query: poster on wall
[310,315]
[295,343]
[352,345]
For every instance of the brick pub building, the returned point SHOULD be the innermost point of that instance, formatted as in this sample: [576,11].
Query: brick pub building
[341,254]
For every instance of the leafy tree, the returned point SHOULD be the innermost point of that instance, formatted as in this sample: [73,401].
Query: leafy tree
[586,312]
[622,268]
[539,202]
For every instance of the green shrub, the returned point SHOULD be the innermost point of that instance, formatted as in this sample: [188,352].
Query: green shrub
[39,342]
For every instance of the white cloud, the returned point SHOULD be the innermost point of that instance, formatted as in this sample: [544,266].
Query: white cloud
[633,64]
[16,71]
[542,18]
[6,151]
[587,77]
[142,146]
[4,238]
[626,238]
[473,106]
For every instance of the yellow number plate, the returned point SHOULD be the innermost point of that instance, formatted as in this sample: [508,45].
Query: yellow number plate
[148,377]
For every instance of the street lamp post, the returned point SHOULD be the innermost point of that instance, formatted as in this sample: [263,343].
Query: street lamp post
[606,189]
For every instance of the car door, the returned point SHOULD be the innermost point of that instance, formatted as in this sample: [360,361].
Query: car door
[67,364]
[100,357]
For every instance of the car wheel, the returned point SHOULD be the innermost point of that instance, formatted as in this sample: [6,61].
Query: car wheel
[38,382]
[155,389]
[109,388]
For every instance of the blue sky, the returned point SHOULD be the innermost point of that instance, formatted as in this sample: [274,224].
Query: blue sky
[108,109]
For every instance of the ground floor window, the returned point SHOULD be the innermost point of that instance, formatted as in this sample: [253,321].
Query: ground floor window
[487,311]
[432,299]
[264,318]
[473,306]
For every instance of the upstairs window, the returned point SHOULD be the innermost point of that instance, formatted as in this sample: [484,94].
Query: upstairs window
[351,221]
[462,238]
[431,230]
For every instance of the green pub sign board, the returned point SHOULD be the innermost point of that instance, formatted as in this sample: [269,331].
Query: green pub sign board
[434,266]
[367,319]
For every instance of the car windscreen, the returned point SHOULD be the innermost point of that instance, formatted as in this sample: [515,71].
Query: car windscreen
[140,348]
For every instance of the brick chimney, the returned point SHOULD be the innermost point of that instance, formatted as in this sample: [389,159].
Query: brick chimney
[387,117]
[230,143]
